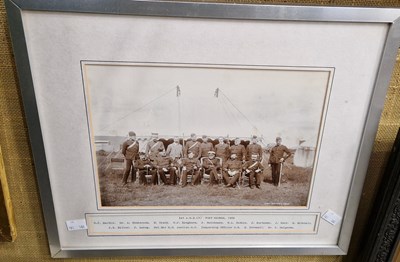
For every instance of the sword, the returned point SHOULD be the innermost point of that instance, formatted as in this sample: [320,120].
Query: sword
[280,174]
[145,178]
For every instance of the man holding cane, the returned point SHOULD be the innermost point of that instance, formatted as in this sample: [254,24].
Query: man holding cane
[278,154]
[145,167]
[232,171]
[253,169]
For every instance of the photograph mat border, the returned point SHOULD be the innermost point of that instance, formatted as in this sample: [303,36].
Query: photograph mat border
[340,14]
[324,112]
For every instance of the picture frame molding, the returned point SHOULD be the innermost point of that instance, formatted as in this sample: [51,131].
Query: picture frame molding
[211,11]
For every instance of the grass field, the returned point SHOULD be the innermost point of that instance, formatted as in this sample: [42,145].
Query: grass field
[293,191]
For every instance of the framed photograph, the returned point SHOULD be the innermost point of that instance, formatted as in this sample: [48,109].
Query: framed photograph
[173,128]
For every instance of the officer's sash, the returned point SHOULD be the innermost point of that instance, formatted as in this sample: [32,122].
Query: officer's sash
[210,161]
[154,145]
[193,145]
[133,144]
[253,165]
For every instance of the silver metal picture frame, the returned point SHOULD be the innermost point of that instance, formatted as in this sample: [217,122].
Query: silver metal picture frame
[55,42]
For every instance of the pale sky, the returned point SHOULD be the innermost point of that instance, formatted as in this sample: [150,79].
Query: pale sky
[286,103]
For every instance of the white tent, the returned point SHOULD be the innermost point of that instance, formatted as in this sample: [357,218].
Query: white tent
[304,156]
[211,101]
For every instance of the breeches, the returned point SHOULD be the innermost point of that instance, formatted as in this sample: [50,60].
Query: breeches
[128,169]
[275,169]
[213,174]
[231,179]
[172,178]
[144,172]
[185,173]
[254,176]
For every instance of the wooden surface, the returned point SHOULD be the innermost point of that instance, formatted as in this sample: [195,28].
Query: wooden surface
[31,244]
[7,223]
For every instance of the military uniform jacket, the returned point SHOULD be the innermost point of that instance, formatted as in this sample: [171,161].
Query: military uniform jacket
[222,150]
[193,146]
[130,149]
[163,161]
[153,148]
[190,163]
[277,152]
[239,150]
[211,163]
[140,164]
[233,164]
[205,147]
[254,149]
[253,165]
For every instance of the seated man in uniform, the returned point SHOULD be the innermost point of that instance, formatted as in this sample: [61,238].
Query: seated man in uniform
[211,166]
[232,169]
[189,167]
[165,164]
[253,169]
[145,167]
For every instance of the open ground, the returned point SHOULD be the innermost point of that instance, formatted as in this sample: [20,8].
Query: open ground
[293,191]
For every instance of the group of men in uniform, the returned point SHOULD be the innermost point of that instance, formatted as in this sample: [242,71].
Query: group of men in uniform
[196,159]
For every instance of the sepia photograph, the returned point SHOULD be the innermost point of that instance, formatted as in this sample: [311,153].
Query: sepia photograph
[204,135]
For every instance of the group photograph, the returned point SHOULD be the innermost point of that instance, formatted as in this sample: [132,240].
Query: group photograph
[198,135]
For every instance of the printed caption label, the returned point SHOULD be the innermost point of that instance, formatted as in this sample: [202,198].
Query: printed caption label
[331,217]
[195,223]
[78,224]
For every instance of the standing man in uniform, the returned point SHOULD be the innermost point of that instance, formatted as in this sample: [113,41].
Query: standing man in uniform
[205,147]
[210,166]
[232,171]
[193,146]
[174,150]
[253,169]
[190,166]
[165,164]
[130,150]
[278,154]
[254,148]
[222,150]
[239,150]
[153,147]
